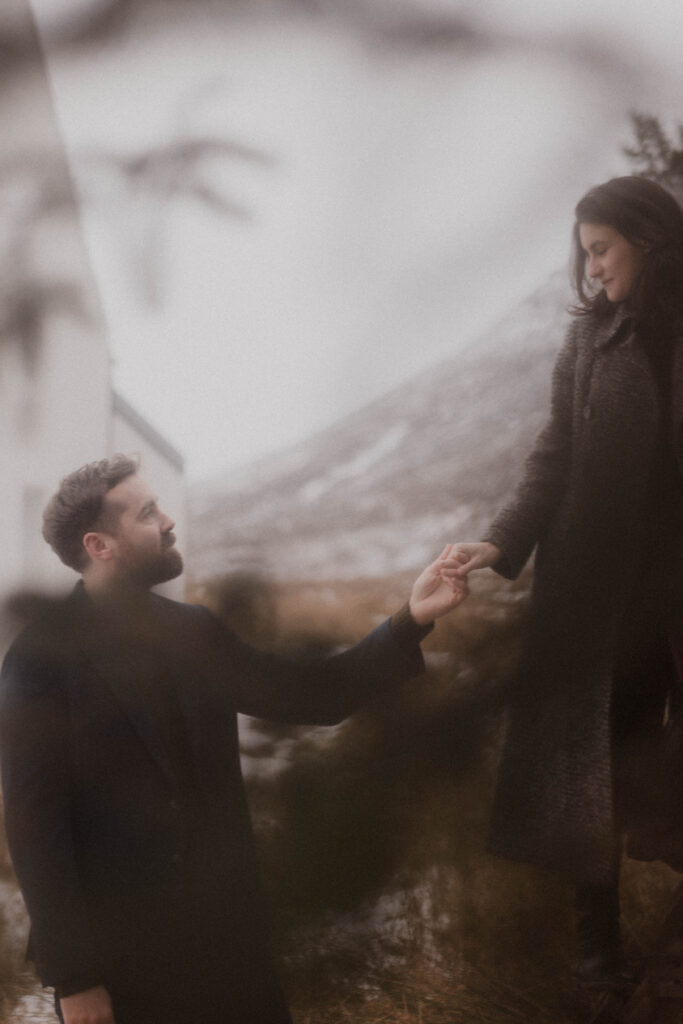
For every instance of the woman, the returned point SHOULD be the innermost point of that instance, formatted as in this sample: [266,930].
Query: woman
[602,500]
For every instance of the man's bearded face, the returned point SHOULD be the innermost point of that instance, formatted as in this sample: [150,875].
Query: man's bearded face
[143,538]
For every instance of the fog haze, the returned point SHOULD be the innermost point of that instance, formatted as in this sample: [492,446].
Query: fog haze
[396,197]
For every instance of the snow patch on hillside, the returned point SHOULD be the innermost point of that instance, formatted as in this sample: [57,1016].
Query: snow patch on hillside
[357,466]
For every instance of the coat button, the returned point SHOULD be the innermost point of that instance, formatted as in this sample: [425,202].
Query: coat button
[173,804]
[177,860]
[586,412]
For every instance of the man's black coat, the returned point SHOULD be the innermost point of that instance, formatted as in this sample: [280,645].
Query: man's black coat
[127,823]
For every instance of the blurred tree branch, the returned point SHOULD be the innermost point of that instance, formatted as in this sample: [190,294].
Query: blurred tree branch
[175,168]
[391,22]
[654,154]
[37,190]
[163,174]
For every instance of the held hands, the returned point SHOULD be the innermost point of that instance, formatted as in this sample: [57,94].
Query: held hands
[462,559]
[93,1006]
[433,594]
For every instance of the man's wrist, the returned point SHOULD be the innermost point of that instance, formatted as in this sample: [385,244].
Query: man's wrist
[406,629]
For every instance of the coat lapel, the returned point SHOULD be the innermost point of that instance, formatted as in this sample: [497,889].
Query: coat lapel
[611,328]
[677,395]
[122,674]
[118,667]
[617,328]
[211,731]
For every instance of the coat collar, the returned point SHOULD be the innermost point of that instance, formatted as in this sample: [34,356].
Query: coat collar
[618,324]
[615,326]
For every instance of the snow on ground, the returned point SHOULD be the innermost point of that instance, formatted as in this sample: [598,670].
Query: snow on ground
[35,1007]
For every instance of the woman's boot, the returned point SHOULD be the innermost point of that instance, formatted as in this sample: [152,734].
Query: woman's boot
[600,963]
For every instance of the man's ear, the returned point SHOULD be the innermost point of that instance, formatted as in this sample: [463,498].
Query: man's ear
[98,546]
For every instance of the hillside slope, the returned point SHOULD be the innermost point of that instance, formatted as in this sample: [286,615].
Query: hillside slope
[383,489]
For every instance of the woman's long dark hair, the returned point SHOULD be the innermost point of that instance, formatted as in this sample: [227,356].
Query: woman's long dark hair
[650,218]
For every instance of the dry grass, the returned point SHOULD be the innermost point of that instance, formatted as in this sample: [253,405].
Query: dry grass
[500,942]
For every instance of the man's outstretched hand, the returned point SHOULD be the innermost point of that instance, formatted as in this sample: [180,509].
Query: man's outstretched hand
[433,595]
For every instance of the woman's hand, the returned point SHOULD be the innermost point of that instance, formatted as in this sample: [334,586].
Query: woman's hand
[462,559]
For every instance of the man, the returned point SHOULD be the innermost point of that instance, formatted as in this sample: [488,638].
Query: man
[125,808]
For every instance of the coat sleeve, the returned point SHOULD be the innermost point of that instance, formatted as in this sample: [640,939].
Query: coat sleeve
[35,755]
[319,692]
[519,526]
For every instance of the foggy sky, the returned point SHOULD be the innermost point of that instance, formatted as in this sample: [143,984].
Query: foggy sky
[405,198]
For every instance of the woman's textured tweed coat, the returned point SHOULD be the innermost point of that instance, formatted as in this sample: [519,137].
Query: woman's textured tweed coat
[586,499]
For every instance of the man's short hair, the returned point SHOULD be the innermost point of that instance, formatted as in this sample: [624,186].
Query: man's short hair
[78,507]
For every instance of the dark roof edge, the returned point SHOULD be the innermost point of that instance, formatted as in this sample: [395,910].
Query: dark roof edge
[132,417]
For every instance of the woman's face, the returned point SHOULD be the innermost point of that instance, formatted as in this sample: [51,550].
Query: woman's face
[611,260]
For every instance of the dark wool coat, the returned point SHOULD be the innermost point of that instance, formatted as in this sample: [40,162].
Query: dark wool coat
[607,565]
[138,868]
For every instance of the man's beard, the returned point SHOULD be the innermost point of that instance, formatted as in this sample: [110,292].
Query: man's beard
[150,569]
[167,566]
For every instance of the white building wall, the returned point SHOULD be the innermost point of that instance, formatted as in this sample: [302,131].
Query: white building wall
[54,364]
[56,409]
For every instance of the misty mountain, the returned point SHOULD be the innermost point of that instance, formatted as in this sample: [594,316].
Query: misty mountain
[383,489]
